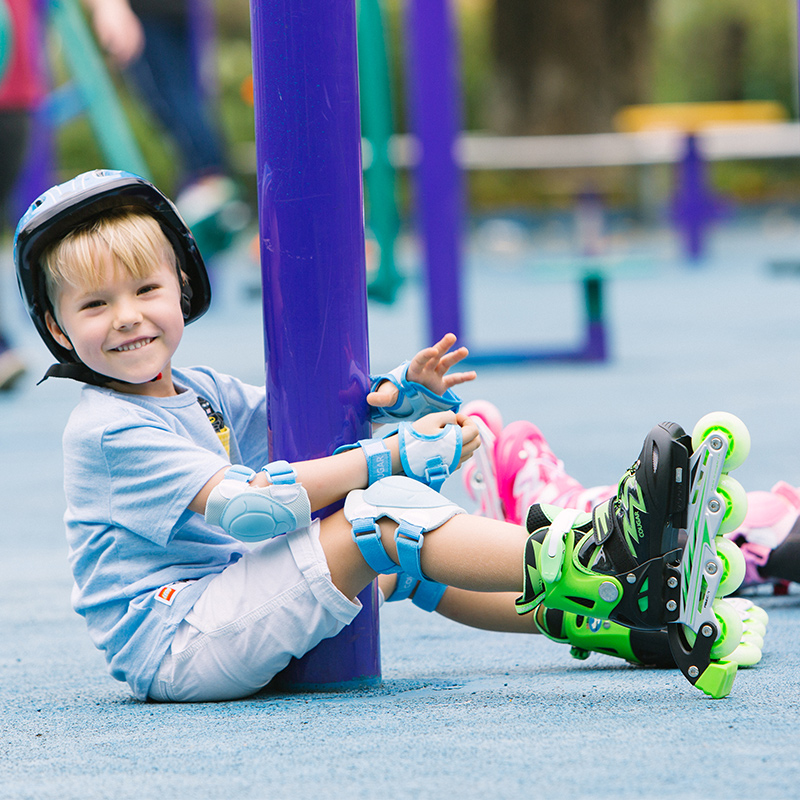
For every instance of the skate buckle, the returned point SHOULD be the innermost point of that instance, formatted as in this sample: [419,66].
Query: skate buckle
[552,555]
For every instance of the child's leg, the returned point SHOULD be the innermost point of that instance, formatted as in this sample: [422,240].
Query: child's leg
[466,552]
[619,564]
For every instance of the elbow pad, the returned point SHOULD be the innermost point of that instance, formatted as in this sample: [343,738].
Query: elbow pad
[252,514]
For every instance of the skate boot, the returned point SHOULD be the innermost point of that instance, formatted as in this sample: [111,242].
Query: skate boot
[625,563]
[587,635]
[480,478]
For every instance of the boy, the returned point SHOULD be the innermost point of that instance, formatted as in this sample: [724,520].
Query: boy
[199,577]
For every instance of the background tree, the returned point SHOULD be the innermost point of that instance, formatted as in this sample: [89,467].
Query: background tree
[567,67]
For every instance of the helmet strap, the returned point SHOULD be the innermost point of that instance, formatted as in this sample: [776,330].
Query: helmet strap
[76,372]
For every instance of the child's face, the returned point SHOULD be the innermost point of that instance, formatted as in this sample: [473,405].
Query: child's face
[127,328]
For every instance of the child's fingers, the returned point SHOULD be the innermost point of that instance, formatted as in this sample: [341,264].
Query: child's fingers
[451,359]
[459,377]
[470,435]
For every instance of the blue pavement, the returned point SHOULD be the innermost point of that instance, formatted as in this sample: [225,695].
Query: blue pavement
[460,712]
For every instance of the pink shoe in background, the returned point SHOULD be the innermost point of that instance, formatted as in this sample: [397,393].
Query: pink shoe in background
[480,478]
[770,518]
[529,472]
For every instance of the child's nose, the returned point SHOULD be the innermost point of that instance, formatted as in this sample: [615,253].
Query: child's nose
[127,313]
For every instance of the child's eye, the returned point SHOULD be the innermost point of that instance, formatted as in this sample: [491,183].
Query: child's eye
[148,288]
[92,304]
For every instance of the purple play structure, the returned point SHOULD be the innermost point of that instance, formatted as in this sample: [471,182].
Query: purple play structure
[434,93]
[308,141]
[311,222]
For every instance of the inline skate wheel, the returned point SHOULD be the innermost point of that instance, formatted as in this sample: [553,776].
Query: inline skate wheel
[730,628]
[730,625]
[733,566]
[729,426]
[735,498]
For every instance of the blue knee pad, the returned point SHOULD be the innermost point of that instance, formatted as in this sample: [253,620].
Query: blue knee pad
[416,508]
[427,596]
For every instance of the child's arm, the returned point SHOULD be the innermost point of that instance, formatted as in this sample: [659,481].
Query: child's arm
[328,480]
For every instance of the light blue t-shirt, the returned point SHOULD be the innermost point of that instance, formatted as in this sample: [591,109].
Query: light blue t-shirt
[132,465]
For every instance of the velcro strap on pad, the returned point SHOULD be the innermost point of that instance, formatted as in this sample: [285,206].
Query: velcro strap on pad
[367,535]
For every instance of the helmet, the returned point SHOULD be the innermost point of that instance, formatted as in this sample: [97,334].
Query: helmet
[60,209]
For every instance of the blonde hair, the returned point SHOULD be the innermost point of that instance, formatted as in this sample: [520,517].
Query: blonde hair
[133,238]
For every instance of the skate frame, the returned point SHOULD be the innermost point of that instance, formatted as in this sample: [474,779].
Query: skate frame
[701,568]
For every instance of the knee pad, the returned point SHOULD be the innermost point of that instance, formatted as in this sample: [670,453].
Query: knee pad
[413,399]
[252,514]
[417,509]
[429,459]
[427,594]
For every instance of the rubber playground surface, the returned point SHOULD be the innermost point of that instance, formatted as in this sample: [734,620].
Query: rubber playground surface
[459,712]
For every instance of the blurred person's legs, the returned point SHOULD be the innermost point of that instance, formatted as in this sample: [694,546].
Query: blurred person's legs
[14,132]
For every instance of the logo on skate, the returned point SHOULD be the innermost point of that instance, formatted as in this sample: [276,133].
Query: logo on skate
[593,624]
[632,503]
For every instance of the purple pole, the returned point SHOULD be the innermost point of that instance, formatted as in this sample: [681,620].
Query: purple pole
[308,149]
[433,89]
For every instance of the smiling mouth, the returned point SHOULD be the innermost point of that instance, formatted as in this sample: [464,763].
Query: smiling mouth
[132,346]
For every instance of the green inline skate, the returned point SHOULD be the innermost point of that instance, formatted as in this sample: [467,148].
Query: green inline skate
[629,563]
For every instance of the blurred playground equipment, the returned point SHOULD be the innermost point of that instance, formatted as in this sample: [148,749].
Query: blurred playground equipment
[90,91]
[694,206]
[686,135]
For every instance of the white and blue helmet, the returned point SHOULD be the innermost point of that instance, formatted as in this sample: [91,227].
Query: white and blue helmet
[77,202]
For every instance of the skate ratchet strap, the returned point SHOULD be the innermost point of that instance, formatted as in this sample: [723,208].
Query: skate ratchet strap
[379,459]
[413,399]
[430,459]
[608,533]
[553,549]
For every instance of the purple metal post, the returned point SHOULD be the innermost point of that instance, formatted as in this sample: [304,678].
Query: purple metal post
[435,109]
[694,205]
[308,149]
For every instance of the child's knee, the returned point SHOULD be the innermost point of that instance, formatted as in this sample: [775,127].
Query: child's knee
[389,521]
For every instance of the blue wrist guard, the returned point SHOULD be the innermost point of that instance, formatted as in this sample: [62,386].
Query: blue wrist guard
[252,514]
[379,459]
[430,459]
[413,400]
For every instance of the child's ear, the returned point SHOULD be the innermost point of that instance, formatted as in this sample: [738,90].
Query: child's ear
[56,332]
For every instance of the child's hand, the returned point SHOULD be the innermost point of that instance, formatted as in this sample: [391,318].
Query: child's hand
[428,367]
[432,424]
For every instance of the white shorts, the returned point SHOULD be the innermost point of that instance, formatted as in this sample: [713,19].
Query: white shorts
[276,602]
